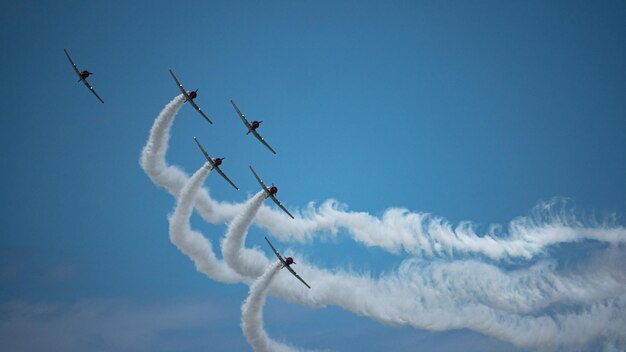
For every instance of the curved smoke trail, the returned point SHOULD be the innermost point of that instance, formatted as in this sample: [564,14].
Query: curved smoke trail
[251,314]
[172,178]
[153,153]
[540,305]
[251,262]
[197,247]
[398,229]
[512,306]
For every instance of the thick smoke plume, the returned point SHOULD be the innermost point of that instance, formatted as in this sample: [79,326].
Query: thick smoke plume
[513,306]
[251,262]
[252,318]
[172,178]
[540,304]
[197,247]
[397,230]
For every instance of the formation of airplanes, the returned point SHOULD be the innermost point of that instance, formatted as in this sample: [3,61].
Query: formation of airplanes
[215,163]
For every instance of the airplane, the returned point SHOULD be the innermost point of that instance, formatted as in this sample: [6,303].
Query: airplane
[83,76]
[252,127]
[190,96]
[287,263]
[271,193]
[215,163]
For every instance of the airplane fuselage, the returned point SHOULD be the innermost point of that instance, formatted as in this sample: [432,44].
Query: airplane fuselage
[217,161]
[192,95]
[289,261]
[273,190]
[84,74]
[255,124]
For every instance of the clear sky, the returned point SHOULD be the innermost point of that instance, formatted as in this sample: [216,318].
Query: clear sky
[470,111]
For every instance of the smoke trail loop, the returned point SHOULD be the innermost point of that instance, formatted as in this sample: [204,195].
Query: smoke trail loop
[538,305]
[172,178]
[197,247]
[419,234]
[246,262]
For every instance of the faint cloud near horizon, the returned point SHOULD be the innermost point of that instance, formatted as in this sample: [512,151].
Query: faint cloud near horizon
[115,325]
[29,268]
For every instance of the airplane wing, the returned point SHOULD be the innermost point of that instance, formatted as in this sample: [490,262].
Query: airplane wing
[260,181]
[285,263]
[92,90]
[215,167]
[219,171]
[72,62]
[297,276]
[258,136]
[81,77]
[254,132]
[281,205]
[206,155]
[276,252]
[180,86]
[241,116]
[195,106]
[269,194]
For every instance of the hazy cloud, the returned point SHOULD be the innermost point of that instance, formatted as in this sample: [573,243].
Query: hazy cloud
[109,325]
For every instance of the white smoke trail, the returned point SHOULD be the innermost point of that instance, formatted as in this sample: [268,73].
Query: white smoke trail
[153,154]
[539,306]
[512,306]
[172,178]
[199,249]
[192,243]
[398,229]
[252,319]
[499,294]
[254,262]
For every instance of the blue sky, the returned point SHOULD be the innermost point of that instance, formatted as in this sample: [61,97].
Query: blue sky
[471,111]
